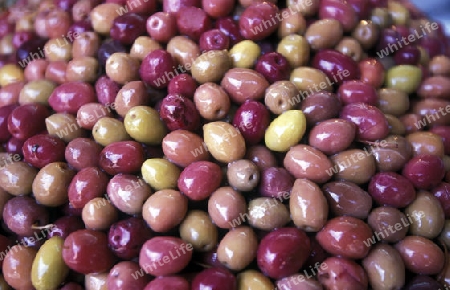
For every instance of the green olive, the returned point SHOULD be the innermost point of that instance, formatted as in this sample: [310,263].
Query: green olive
[48,269]
[160,173]
[142,123]
[109,130]
[405,78]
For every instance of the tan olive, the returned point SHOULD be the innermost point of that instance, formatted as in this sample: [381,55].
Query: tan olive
[367,33]
[237,249]
[224,141]
[440,65]
[427,215]
[198,230]
[64,126]
[109,130]
[227,208]
[267,213]
[58,49]
[309,80]
[142,46]
[243,175]
[211,66]
[99,214]
[183,50]
[253,280]
[102,17]
[130,95]
[86,44]
[82,69]
[426,143]
[6,44]
[295,49]
[122,68]
[17,267]
[17,178]
[312,217]
[350,47]
[212,101]
[37,91]
[280,97]
[324,33]
[293,23]
[96,281]
[354,165]
[51,184]
[385,268]
[165,209]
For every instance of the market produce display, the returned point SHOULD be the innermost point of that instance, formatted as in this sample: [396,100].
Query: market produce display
[224,145]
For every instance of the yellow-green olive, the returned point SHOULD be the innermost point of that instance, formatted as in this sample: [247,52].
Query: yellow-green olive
[49,269]
[406,78]
[285,131]
[160,173]
[295,48]
[245,53]
[142,123]
[37,91]
[109,130]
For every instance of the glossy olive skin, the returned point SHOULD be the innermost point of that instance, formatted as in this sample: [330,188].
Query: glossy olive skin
[390,222]
[421,255]
[122,157]
[340,273]
[313,217]
[49,270]
[346,198]
[385,268]
[350,243]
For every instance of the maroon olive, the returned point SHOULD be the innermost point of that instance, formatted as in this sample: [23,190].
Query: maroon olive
[122,157]
[200,179]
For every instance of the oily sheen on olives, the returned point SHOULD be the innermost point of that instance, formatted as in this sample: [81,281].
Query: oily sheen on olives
[224,145]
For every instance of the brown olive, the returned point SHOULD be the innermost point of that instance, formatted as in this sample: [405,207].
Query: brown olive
[354,165]
[428,216]
[243,175]
[51,184]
